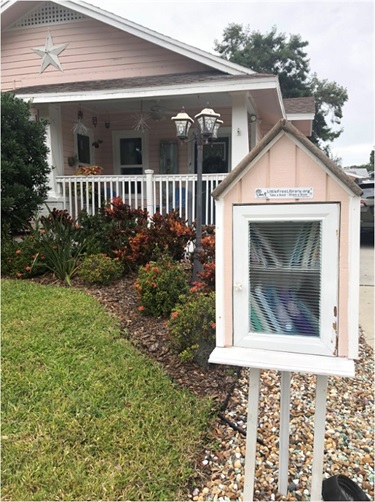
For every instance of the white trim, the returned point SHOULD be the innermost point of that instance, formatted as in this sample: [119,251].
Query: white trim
[56,155]
[240,127]
[283,361]
[219,274]
[299,116]
[181,89]
[328,214]
[117,136]
[354,267]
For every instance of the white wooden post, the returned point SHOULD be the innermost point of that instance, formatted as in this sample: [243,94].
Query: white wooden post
[149,191]
[240,127]
[319,430]
[284,432]
[251,434]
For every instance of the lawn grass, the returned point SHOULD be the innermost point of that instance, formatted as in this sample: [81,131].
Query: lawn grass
[84,415]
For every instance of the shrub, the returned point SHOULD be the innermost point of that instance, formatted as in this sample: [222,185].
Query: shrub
[207,258]
[24,166]
[192,327]
[61,243]
[137,239]
[21,259]
[169,233]
[100,269]
[159,285]
[98,232]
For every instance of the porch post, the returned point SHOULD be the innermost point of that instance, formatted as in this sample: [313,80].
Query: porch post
[149,191]
[240,127]
[55,156]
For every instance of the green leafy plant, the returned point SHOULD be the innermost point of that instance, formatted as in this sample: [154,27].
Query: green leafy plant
[24,166]
[206,277]
[98,232]
[137,239]
[100,269]
[61,244]
[159,285]
[19,258]
[192,327]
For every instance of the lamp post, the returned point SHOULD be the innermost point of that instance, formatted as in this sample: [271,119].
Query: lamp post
[208,127]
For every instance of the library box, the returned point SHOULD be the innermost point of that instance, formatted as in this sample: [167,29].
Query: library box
[287,259]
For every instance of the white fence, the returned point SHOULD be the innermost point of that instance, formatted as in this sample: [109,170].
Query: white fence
[155,192]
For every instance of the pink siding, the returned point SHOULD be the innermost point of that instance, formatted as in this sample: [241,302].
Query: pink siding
[96,51]
[159,131]
[287,165]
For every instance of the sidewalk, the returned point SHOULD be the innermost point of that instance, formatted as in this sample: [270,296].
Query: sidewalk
[366,313]
[366,291]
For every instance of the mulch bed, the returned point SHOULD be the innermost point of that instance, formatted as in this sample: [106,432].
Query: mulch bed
[219,473]
[150,335]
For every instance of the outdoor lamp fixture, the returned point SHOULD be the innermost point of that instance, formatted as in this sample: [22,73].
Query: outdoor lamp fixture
[208,127]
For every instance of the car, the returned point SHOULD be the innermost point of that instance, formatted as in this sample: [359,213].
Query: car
[367,205]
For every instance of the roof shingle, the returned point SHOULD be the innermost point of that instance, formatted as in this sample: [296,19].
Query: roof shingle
[299,105]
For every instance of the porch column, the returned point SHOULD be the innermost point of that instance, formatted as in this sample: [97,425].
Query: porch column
[240,127]
[55,156]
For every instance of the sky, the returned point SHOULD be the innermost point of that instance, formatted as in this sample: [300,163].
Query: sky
[340,36]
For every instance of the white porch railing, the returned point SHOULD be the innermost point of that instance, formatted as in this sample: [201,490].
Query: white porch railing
[154,192]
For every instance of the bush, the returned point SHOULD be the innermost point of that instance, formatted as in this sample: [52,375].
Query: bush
[61,244]
[192,327]
[207,258]
[24,166]
[98,232]
[137,239]
[100,269]
[21,259]
[159,285]
[167,233]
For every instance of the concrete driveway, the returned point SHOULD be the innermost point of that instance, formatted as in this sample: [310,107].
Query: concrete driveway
[366,289]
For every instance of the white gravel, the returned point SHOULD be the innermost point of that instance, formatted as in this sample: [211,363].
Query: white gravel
[349,437]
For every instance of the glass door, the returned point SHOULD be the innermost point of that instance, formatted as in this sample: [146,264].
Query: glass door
[285,277]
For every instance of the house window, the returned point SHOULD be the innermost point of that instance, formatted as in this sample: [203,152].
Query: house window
[215,156]
[130,152]
[83,149]
[131,155]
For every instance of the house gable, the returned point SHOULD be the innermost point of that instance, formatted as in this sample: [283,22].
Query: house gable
[97,46]
[91,50]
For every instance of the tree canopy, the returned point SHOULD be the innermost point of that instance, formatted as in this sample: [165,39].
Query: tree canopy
[24,166]
[286,57]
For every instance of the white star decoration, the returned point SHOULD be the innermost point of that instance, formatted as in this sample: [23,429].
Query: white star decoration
[49,54]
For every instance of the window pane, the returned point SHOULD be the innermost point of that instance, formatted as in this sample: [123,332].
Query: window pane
[131,151]
[285,278]
[83,149]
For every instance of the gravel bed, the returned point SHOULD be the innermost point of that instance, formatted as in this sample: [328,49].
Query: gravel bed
[349,436]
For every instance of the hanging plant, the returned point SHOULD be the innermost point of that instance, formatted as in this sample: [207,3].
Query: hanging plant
[97,143]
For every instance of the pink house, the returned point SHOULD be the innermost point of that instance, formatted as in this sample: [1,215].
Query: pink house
[109,88]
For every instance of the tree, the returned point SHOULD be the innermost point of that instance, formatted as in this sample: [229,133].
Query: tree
[369,166]
[286,57]
[24,166]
